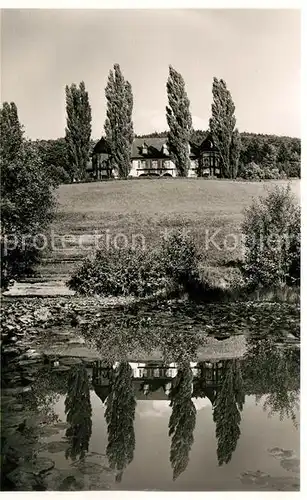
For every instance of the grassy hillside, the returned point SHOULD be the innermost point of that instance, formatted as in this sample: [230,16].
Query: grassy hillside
[148,207]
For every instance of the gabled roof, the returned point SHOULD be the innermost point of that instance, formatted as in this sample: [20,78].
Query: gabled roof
[207,143]
[154,147]
[102,146]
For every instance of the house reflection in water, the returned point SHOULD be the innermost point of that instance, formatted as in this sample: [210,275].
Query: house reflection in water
[155,380]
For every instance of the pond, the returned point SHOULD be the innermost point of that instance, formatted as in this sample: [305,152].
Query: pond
[145,400]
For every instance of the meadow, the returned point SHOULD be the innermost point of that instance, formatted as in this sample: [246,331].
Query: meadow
[138,212]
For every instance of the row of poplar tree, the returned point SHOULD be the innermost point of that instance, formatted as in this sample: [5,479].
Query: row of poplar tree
[119,126]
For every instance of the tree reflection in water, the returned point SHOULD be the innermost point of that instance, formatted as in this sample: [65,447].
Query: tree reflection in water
[226,410]
[79,413]
[182,420]
[120,413]
[272,373]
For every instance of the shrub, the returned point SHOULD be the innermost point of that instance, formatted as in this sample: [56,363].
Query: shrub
[270,173]
[179,258]
[171,266]
[272,239]
[254,172]
[119,272]
[251,172]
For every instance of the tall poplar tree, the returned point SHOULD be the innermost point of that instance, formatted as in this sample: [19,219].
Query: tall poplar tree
[182,420]
[119,414]
[11,132]
[79,413]
[179,121]
[78,129]
[118,124]
[226,411]
[222,125]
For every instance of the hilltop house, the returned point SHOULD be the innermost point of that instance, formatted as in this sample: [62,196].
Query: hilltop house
[155,380]
[150,158]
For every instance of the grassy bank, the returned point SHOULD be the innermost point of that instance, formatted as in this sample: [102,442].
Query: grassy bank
[207,208]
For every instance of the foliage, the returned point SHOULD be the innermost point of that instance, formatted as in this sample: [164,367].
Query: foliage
[27,203]
[119,272]
[182,420]
[79,412]
[234,153]
[78,129]
[274,374]
[179,259]
[226,411]
[119,414]
[54,154]
[271,228]
[179,121]
[273,151]
[118,124]
[11,132]
[254,172]
[58,175]
[222,125]
[129,271]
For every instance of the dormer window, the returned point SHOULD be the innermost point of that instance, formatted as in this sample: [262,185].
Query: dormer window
[165,150]
[144,149]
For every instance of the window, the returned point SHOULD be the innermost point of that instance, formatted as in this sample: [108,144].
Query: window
[154,164]
[166,164]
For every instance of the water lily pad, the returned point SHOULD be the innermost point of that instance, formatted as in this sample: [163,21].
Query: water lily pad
[39,466]
[48,431]
[254,477]
[90,467]
[70,361]
[61,425]
[55,446]
[280,453]
[291,464]
[22,480]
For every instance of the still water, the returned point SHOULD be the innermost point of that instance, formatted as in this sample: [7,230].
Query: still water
[191,421]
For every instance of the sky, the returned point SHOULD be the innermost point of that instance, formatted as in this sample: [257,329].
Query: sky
[257,53]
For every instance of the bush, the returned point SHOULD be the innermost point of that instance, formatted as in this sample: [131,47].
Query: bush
[171,266]
[119,272]
[254,172]
[251,172]
[272,239]
[58,175]
[179,258]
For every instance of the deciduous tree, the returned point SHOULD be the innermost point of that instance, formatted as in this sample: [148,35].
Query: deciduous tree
[78,129]
[179,121]
[79,413]
[182,420]
[222,126]
[226,412]
[120,413]
[11,132]
[118,124]
[27,200]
